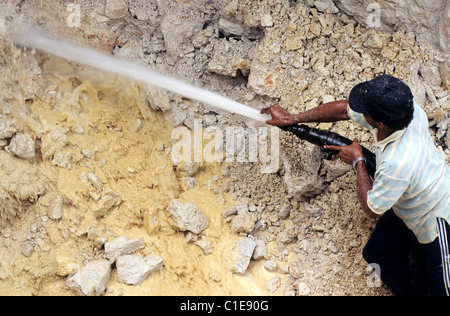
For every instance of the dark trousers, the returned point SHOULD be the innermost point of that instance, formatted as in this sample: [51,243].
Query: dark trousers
[407,267]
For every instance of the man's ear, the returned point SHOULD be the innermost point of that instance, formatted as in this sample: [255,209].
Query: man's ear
[380,125]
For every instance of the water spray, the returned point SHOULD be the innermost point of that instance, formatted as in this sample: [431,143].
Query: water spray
[93,58]
[107,63]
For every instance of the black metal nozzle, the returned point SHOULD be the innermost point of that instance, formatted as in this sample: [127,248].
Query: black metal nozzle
[325,138]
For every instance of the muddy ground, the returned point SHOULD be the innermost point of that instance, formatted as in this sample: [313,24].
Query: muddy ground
[86,156]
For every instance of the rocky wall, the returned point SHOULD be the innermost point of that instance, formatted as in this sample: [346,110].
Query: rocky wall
[296,53]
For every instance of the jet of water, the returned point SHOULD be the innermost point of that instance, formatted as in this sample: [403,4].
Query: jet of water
[98,60]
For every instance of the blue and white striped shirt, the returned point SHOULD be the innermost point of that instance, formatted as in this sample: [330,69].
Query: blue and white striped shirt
[412,177]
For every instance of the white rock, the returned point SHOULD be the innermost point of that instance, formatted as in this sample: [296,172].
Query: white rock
[122,246]
[22,146]
[55,209]
[93,179]
[116,9]
[133,270]
[205,245]
[241,255]
[270,265]
[260,250]
[7,128]
[266,20]
[274,284]
[187,217]
[92,279]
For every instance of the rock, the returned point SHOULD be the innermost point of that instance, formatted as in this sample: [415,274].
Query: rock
[232,27]
[288,235]
[431,75]
[230,57]
[54,142]
[260,251]
[109,200]
[122,246]
[271,265]
[285,211]
[241,255]
[92,279]
[176,116]
[189,183]
[374,41]
[187,217]
[93,179]
[205,245]
[116,9]
[274,284]
[7,128]
[105,204]
[188,169]
[145,10]
[55,207]
[243,223]
[62,159]
[22,146]
[133,270]
[266,20]
[303,289]
[326,6]
[158,98]
[419,15]
[264,81]
[27,248]
[178,32]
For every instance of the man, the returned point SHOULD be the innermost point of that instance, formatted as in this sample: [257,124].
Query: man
[410,194]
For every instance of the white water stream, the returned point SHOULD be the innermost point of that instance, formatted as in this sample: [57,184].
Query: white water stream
[98,60]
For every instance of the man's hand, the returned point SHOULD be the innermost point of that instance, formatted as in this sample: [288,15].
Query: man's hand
[347,154]
[280,117]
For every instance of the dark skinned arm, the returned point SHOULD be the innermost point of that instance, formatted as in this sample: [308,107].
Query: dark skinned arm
[326,113]
[330,112]
[349,154]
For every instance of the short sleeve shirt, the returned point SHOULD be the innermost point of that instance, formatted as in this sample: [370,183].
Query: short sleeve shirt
[412,177]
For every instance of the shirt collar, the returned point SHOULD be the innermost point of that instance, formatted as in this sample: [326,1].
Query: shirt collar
[385,142]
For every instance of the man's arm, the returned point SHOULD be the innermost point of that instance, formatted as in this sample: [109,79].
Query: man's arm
[328,112]
[349,154]
[364,185]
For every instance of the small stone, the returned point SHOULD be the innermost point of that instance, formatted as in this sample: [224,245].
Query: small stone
[92,279]
[7,128]
[122,246]
[243,223]
[271,265]
[188,169]
[116,9]
[93,179]
[27,248]
[260,250]
[22,146]
[190,183]
[105,204]
[274,284]
[266,20]
[133,270]
[55,208]
[303,289]
[205,245]
[187,217]
[241,255]
[87,153]
[374,41]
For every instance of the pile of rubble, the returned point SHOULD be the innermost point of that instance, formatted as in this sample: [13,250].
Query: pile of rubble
[303,220]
